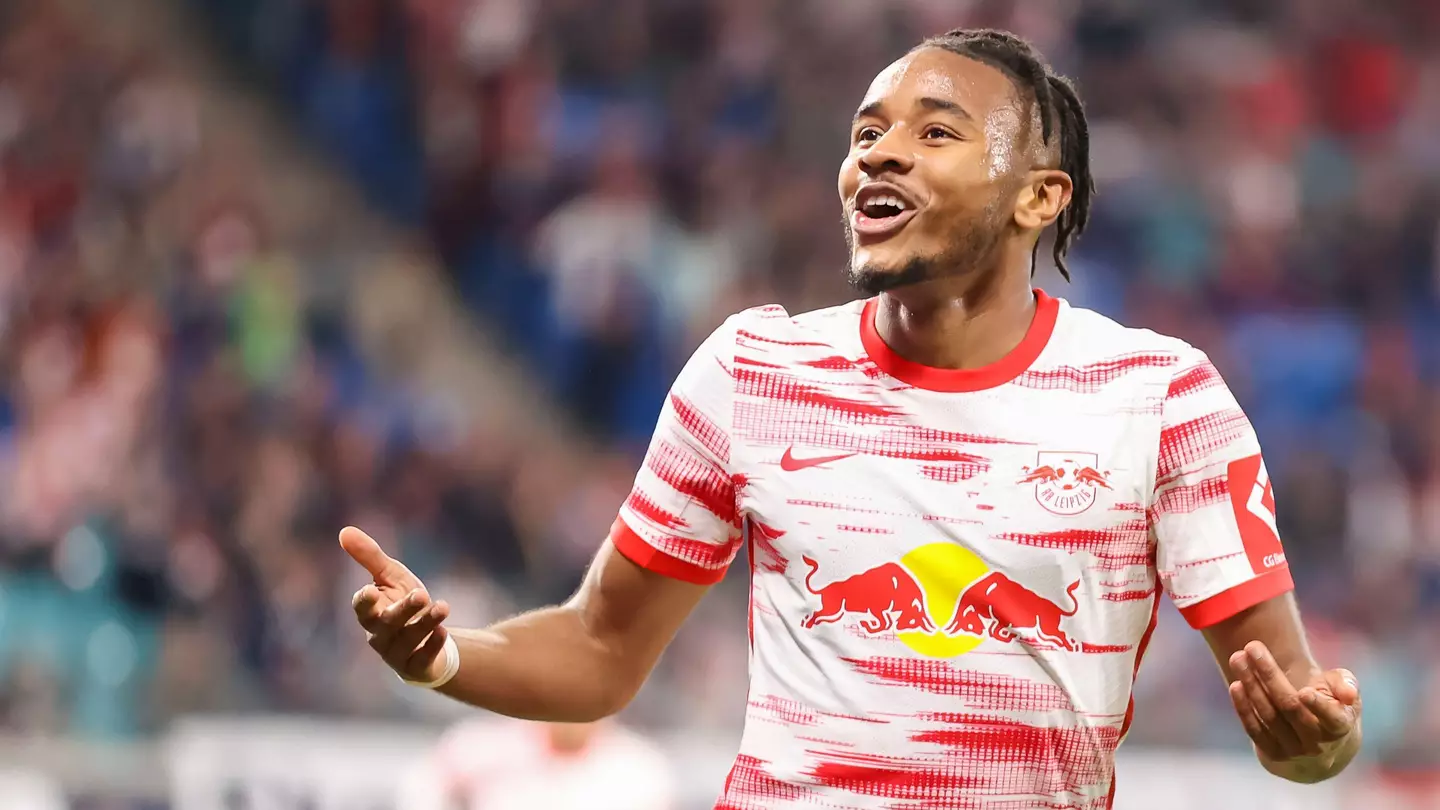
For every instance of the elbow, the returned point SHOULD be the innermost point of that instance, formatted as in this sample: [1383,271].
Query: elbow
[618,691]
[609,706]
[605,699]
[617,671]
[609,683]
[589,703]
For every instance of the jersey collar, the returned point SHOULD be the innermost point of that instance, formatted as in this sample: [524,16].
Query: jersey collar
[951,380]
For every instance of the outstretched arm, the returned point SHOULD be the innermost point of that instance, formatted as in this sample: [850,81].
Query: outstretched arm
[677,534]
[1304,721]
[575,662]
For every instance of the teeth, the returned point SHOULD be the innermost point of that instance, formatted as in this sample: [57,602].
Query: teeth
[887,200]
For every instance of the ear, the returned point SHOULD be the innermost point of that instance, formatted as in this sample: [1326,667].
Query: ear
[1042,198]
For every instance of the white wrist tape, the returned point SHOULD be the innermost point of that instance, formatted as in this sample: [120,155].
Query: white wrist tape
[451,652]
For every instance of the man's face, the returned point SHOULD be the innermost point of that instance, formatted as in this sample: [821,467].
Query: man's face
[929,185]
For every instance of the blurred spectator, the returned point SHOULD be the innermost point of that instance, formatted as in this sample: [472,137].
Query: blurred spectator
[492,763]
[186,418]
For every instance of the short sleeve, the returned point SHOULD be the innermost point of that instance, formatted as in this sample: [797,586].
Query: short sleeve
[682,518]
[1213,511]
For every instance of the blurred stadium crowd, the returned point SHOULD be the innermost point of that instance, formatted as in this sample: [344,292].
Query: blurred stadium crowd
[187,420]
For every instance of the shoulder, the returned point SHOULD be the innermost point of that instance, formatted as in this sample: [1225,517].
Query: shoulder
[771,327]
[1085,338]
[776,320]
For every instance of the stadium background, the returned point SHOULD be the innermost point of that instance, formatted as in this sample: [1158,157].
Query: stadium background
[269,266]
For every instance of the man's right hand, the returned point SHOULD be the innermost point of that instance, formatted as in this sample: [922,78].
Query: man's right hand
[404,626]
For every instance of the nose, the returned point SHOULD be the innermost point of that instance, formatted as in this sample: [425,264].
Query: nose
[891,153]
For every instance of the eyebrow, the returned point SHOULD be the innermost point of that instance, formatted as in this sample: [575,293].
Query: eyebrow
[945,105]
[928,102]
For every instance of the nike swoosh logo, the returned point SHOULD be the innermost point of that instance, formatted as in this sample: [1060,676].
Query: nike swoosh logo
[789,463]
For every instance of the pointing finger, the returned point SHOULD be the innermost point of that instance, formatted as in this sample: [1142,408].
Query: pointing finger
[363,549]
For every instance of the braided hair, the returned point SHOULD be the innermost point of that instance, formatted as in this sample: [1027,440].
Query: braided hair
[1061,115]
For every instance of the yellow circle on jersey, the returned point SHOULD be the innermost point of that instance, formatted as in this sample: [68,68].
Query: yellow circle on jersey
[944,571]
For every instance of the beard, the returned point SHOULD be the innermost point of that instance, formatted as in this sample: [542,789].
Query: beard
[870,280]
[969,247]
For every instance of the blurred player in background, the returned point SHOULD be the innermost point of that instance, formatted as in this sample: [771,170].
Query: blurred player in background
[962,499]
[497,763]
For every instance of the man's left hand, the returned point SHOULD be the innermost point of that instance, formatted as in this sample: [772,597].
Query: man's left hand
[1290,717]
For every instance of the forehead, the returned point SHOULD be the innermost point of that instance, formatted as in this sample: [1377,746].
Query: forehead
[937,73]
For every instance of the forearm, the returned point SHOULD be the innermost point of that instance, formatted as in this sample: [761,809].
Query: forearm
[543,665]
[1309,770]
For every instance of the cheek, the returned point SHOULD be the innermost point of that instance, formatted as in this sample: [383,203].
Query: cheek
[961,189]
[849,178]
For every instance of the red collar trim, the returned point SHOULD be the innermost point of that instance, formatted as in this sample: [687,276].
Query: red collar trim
[952,380]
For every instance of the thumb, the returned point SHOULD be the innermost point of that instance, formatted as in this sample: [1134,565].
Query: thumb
[363,549]
[1343,686]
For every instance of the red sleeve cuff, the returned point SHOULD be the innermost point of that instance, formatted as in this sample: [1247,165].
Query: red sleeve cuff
[1227,603]
[635,549]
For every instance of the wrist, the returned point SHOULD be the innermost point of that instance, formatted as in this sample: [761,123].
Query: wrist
[446,666]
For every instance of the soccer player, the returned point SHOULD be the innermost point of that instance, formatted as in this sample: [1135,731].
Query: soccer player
[961,499]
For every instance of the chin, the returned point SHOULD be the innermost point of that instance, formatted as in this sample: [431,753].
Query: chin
[867,280]
[872,275]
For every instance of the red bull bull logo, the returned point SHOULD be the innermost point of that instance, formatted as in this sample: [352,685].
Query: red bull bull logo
[886,597]
[1066,483]
[1003,605]
[941,600]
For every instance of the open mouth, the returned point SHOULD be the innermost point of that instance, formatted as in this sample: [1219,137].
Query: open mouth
[881,210]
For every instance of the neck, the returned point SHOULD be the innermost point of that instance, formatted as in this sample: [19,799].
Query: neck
[961,322]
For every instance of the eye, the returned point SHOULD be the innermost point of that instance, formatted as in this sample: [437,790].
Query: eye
[867,134]
[935,133]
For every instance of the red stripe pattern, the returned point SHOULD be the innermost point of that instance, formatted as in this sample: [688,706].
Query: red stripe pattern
[685,502]
[1092,377]
[1195,508]
[954,575]
[701,428]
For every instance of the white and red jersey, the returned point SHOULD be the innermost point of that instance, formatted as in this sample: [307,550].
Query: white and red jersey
[496,763]
[955,573]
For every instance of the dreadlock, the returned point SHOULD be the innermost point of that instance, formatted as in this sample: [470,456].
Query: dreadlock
[1059,108]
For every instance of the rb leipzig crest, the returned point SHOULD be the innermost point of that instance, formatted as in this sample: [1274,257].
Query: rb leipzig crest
[1066,483]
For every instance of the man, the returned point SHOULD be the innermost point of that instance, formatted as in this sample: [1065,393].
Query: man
[961,498]
[489,763]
